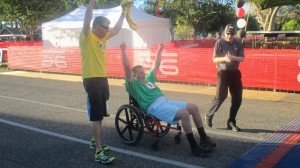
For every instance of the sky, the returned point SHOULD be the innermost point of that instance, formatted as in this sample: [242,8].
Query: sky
[138,3]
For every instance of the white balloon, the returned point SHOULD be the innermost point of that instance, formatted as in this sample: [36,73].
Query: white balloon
[241,23]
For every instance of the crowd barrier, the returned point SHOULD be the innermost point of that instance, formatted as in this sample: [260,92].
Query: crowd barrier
[277,69]
[5,44]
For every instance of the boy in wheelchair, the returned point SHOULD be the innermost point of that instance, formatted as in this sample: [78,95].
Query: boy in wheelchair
[151,100]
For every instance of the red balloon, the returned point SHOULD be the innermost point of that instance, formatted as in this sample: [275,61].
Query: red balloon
[240,12]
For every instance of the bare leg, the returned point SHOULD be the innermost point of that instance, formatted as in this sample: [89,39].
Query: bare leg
[205,140]
[184,116]
[194,111]
[197,150]
[97,134]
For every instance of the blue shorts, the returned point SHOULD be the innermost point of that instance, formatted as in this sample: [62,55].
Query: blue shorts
[166,110]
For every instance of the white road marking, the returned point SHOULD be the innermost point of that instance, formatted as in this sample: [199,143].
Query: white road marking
[126,152]
[113,116]
[45,104]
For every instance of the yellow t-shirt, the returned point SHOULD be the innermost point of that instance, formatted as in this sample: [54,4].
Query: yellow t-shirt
[93,55]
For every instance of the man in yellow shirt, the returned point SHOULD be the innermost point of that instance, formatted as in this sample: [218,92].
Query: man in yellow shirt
[92,44]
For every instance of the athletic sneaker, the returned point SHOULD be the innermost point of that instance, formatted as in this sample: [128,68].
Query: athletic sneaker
[233,127]
[208,121]
[93,145]
[105,148]
[207,142]
[200,151]
[102,157]
[106,115]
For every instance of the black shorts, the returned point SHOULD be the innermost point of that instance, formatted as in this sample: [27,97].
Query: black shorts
[97,91]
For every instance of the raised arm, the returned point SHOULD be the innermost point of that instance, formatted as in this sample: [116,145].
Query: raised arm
[115,30]
[156,63]
[88,18]
[126,64]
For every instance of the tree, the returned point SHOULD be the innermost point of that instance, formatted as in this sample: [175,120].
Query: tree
[29,14]
[183,30]
[207,16]
[286,14]
[266,18]
[150,6]
[214,16]
[100,4]
[291,25]
[252,24]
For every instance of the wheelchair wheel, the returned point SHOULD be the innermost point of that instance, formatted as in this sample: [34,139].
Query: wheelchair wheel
[129,124]
[155,126]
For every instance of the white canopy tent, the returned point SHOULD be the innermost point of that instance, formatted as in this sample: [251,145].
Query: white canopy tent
[64,31]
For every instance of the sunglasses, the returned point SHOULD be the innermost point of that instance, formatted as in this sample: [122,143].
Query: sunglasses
[230,34]
[106,28]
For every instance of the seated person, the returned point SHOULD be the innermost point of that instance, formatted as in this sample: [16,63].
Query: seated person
[151,100]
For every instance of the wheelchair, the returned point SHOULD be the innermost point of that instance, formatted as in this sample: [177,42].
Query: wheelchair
[131,123]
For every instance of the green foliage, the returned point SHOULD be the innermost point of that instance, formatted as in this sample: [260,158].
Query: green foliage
[183,29]
[291,25]
[286,14]
[150,6]
[273,3]
[100,4]
[29,14]
[31,11]
[252,24]
[206,16]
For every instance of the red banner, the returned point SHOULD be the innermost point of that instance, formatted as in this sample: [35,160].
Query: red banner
[262,68]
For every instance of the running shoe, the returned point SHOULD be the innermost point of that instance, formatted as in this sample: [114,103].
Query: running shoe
[102,157]
[207,142]
[93,145]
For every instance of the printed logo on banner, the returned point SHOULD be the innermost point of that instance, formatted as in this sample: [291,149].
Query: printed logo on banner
[53,58]
[168,62]
[143,59]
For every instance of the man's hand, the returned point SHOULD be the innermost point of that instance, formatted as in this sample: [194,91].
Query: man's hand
[123,46]
[227,57]
[161,45]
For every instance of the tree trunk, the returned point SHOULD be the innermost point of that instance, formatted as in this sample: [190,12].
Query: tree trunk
[273,19]
[32,34]
[266,18]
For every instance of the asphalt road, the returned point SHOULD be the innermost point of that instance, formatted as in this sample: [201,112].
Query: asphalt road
[43,123]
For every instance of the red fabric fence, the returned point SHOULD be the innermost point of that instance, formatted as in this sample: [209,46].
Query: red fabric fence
[5,44]
[262,68]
